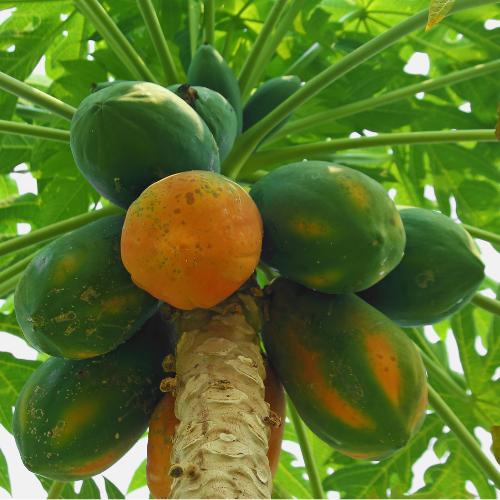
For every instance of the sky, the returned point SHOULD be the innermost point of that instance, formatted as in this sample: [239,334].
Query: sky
[25,484]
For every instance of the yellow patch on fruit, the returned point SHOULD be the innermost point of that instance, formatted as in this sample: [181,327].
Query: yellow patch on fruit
[328,278]
[192,239]
[357,193]
[76,417]
[310,228]
[65,266]
[384,363]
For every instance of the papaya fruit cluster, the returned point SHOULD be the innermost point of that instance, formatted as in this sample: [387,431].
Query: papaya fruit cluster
[354,267]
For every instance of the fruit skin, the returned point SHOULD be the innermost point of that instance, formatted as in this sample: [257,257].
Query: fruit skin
[268,97]
[95,87]
[355,378]
[208,69]
[76,299]
[215,111]
[192,239]
[129,135]
[327,226]
[76,418]
[162,429]
[440,272]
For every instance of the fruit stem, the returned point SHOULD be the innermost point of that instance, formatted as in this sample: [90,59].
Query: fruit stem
[482,234]
[209,21]
[193,15]
[490,305]
[307,453]
[444,378]
[16,128]
[57,229]
[389,97]
[159,42]
[264,159]
[36,97]
[116,40]
[259,44]
[463,435]
[16,268]
[7,286]
[270,49]
[32,113]
[247,142]
[56,489]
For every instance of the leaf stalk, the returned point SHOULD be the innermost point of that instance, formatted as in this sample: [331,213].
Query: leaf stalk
[56,489]
[490,305]
[53,134]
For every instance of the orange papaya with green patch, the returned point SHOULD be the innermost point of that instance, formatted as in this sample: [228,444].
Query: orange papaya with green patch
[76,418]
[356,379]
[76,299]
[328,227]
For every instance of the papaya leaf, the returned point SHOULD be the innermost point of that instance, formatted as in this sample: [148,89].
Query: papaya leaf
[9,324]
[68,492]
[112,490]
[495,447]
[139,478]
[448,480]
[292,476]
[497,126]
[437,11]
[4,474]
[13,374]
[89,490]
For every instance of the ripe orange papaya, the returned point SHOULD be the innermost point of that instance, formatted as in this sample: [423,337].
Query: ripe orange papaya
[192,239]
[162,431]
[356,379]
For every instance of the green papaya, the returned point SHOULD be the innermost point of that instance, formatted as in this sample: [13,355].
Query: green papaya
[95,87]
[440,272]
[268,97]
[129,135]
[208,69]
[75,418]
[356,379]
[76,299]
[327,226]
[215,111]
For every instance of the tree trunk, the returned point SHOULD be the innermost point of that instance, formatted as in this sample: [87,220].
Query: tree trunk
[221,443]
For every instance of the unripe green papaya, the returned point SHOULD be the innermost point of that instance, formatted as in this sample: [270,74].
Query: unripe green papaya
[356,379]
[268,97]
[95,87]
[208,69]
[327,226]
[75,418]
[76,299]
[215,111]
[129,135]
[440,272]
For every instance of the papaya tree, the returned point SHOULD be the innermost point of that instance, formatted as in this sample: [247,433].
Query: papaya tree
[238,199]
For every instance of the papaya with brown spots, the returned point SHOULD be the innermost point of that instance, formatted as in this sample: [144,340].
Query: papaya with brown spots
[440,273]
[192,239]
[162,435]
[356,379]
[328,227]
[76,418]
[76,299]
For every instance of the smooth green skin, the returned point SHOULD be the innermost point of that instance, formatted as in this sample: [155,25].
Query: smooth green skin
[315,342]
[76,299]
[76,418]
[208,69]
[440,272]
[129,135]
[103,85]
[216,112]
[268,97]
[327,226]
